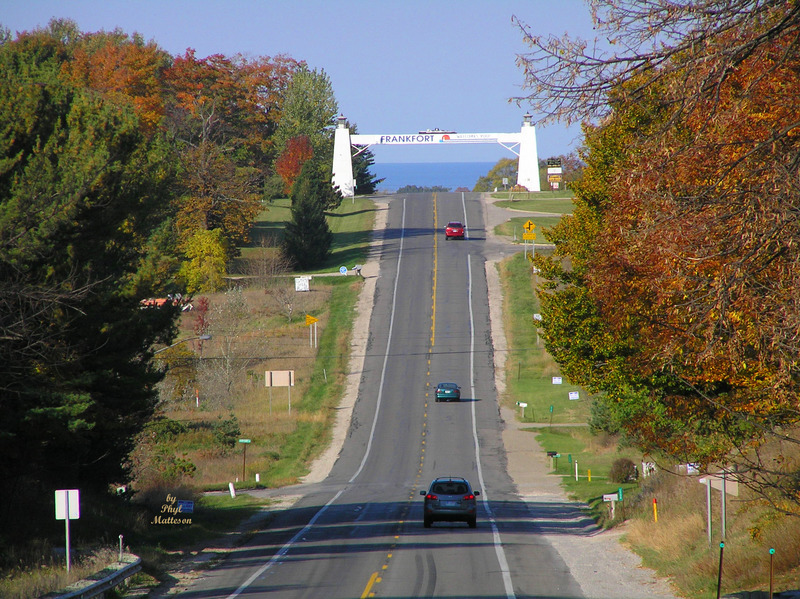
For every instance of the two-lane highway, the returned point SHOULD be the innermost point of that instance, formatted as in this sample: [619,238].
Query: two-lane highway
[360,532]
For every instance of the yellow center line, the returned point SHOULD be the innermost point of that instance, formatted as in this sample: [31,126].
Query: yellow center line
[368,588]
[435,267]
[376,576]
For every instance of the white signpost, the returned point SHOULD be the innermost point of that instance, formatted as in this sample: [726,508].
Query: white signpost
[727,486]
[68,507]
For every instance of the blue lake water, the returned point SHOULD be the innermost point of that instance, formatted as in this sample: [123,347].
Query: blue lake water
[450,175]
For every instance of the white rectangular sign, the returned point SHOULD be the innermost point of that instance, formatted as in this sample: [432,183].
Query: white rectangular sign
[731,484]
[279,378]
[574,395]
[442,138]
[68,502]
[556,380]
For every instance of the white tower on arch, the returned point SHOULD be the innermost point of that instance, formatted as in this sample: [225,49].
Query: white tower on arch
[523,144]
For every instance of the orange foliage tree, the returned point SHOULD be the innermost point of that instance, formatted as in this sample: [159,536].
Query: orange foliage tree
[288,165]
[222,113]
[124,69]
[684,255]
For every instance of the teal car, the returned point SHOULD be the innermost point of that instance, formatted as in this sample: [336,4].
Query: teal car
[448,392]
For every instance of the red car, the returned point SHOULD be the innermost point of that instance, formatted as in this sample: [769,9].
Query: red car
[454,229]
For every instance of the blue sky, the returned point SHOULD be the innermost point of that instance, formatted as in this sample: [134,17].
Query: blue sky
[396,66]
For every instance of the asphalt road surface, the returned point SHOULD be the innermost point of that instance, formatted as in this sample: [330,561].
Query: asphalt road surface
[359,533]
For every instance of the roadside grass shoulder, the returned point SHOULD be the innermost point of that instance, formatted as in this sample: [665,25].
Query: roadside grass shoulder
[513,227]
[555,206]
[547,194]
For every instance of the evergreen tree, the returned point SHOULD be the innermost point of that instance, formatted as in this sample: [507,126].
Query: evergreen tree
[307,240]
[365,181]
[82,187]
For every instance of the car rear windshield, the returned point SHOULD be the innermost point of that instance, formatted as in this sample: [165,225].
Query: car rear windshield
[450,488]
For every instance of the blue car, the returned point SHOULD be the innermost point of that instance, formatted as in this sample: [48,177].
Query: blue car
[448,392]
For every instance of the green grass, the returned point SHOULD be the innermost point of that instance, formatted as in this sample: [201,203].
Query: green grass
[513,228]
[533,195]
[530,370]
[550,205]
[350,223]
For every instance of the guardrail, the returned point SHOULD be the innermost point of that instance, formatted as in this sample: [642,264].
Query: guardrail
[92,587]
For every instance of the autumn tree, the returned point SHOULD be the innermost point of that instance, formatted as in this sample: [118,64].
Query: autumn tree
[288,165]
[690,278]
[123,68]
[222,113]
[204,268]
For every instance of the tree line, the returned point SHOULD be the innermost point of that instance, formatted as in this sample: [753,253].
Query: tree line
[672,293]
[128,173]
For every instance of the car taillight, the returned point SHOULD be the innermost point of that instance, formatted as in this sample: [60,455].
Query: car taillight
[431,496]
[469,496]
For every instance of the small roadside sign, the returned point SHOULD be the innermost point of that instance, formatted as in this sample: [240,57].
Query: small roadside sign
[610,497]
[574,395]
[529,226]
[311,319]
[244,440]
[529,236]
[68,508]
[343,270]
[68,504]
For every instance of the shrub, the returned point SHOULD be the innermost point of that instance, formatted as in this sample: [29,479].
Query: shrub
[623,470]
[165,429]
[227,432]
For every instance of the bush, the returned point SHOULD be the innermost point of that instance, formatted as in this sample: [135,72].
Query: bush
[623,470]
[227,432]
[162,429]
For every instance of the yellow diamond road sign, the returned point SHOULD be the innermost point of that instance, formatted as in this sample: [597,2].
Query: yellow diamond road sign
[529,226]
[310,319]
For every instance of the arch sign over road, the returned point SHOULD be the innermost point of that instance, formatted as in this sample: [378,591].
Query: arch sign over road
[523,144]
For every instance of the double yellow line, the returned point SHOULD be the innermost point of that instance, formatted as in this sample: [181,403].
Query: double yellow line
[376,576]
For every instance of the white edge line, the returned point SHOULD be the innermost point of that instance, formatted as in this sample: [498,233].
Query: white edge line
[498,546]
